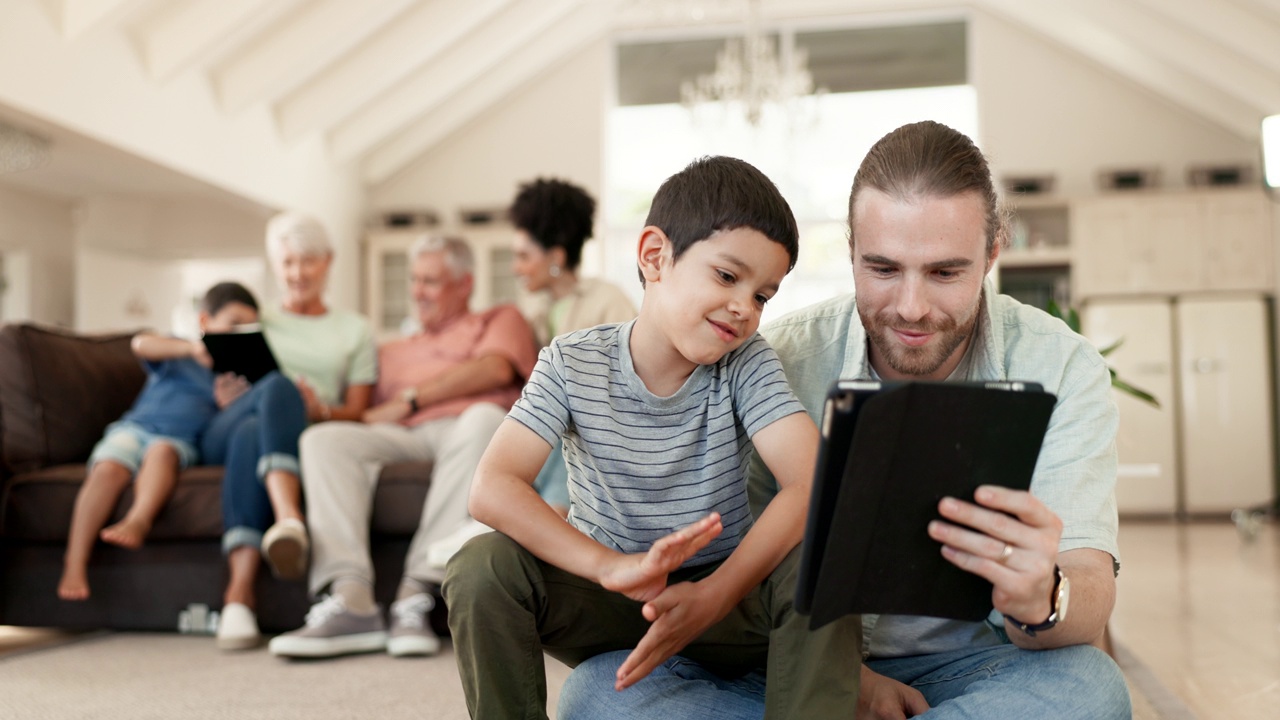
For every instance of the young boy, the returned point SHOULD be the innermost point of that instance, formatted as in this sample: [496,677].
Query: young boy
[658,416]
[154,440]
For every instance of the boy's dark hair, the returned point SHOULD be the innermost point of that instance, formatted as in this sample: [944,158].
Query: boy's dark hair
[225,293]
[555,213]
[721,193]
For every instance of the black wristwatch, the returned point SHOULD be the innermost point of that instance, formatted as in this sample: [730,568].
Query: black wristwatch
[1058,600]
[410,395]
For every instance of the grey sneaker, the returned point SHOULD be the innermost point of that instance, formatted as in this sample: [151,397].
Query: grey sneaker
[332,630]
[411,632]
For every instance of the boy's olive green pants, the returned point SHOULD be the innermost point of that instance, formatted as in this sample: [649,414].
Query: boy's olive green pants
[506,607]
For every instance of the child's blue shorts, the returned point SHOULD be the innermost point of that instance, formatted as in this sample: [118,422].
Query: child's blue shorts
[126,443]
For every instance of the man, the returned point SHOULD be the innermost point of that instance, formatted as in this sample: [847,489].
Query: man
[440,396]
[925,229]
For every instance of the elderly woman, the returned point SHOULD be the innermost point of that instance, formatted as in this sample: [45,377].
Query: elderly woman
[329,365]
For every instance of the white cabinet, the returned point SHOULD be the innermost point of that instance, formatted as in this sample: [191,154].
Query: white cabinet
[1147,478]
[1171,243]
[1210,448]
[386,273]
[1224,369]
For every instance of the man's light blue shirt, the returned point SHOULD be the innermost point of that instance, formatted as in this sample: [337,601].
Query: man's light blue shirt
[1075,473]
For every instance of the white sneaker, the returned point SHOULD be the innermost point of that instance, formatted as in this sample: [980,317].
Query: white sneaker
[439,552]
[332,630]
[411,632]
[237,628]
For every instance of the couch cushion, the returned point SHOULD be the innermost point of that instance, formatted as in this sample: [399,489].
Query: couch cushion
[58,392]
[37,506]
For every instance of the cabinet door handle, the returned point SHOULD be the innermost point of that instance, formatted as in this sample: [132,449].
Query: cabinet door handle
[1205,365]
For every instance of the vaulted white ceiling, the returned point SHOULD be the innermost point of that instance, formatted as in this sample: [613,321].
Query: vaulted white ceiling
[382,82]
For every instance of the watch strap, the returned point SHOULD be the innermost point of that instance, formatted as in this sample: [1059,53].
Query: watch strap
[1029,629]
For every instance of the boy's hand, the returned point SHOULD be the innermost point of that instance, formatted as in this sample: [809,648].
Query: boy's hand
[644,577]
[679,614]
[200,354]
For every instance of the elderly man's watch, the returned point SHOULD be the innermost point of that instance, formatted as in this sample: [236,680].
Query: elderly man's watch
[410,395]
[1058,601]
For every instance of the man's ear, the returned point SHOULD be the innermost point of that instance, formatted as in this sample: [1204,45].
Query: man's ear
[653,250]
[995,254]
[203,320]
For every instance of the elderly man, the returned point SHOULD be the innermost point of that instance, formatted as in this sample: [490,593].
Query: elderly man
[440,396]
[924,230]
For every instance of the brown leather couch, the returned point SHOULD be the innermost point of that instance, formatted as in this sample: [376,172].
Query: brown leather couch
[58,392]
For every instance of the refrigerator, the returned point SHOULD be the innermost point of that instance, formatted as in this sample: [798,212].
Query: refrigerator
[1210,447]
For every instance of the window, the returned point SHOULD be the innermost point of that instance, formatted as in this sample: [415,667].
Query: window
[877,80]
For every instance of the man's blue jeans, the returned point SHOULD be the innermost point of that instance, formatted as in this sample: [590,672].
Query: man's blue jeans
[1003,681]
[252,436]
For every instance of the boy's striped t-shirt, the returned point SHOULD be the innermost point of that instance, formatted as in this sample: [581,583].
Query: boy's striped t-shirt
[641,466]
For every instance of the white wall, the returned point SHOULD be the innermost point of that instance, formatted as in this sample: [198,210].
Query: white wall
[554,126]
[120,290]
[1044,109]
[36,240]
[97,85]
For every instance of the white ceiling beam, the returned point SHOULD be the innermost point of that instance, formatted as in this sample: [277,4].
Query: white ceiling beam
[1065,24]
[183,35]
[466,63]
[298,48]
[518,68]
[1235,28]
[1271,7]
[1187,48]
[412,41]
[76,17]
[666,14]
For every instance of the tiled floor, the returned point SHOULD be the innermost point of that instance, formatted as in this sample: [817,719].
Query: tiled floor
[1198,609]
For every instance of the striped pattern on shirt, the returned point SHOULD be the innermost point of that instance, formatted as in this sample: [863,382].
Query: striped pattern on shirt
[641,466]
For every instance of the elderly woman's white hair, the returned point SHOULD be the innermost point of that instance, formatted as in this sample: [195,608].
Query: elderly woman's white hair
[298,232]
[457,253]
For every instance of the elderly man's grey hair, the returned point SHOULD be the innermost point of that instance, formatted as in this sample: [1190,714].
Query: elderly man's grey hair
[457,252]
[298,232]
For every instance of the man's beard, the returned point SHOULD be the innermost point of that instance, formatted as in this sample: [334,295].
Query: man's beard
[917,361]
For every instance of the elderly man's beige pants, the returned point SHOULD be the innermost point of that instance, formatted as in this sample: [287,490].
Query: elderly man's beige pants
[340,466]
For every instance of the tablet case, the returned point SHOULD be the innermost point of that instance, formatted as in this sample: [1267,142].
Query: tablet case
[889,453]
[243,351]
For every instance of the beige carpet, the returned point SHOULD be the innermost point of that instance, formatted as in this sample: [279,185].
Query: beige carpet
[141,676]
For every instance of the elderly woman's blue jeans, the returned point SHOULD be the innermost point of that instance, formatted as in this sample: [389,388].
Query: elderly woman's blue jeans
[251,437]
[1001,681]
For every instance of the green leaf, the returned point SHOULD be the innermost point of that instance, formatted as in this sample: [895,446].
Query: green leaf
[1071,317]
[1125,387]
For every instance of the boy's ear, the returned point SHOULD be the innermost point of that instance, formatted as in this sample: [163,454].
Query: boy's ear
[203,320]
[654,246]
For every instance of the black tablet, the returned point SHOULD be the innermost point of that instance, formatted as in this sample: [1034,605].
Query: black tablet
[244,351]
[889,453]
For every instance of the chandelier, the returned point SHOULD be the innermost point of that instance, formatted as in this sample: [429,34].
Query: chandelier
[750,71]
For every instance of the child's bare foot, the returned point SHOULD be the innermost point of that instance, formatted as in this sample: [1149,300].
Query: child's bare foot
[74,584]
[126,533]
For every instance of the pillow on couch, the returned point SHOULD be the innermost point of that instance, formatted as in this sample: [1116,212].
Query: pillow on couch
[59,391]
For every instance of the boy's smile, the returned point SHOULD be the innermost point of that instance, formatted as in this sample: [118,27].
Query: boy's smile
[706,304]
